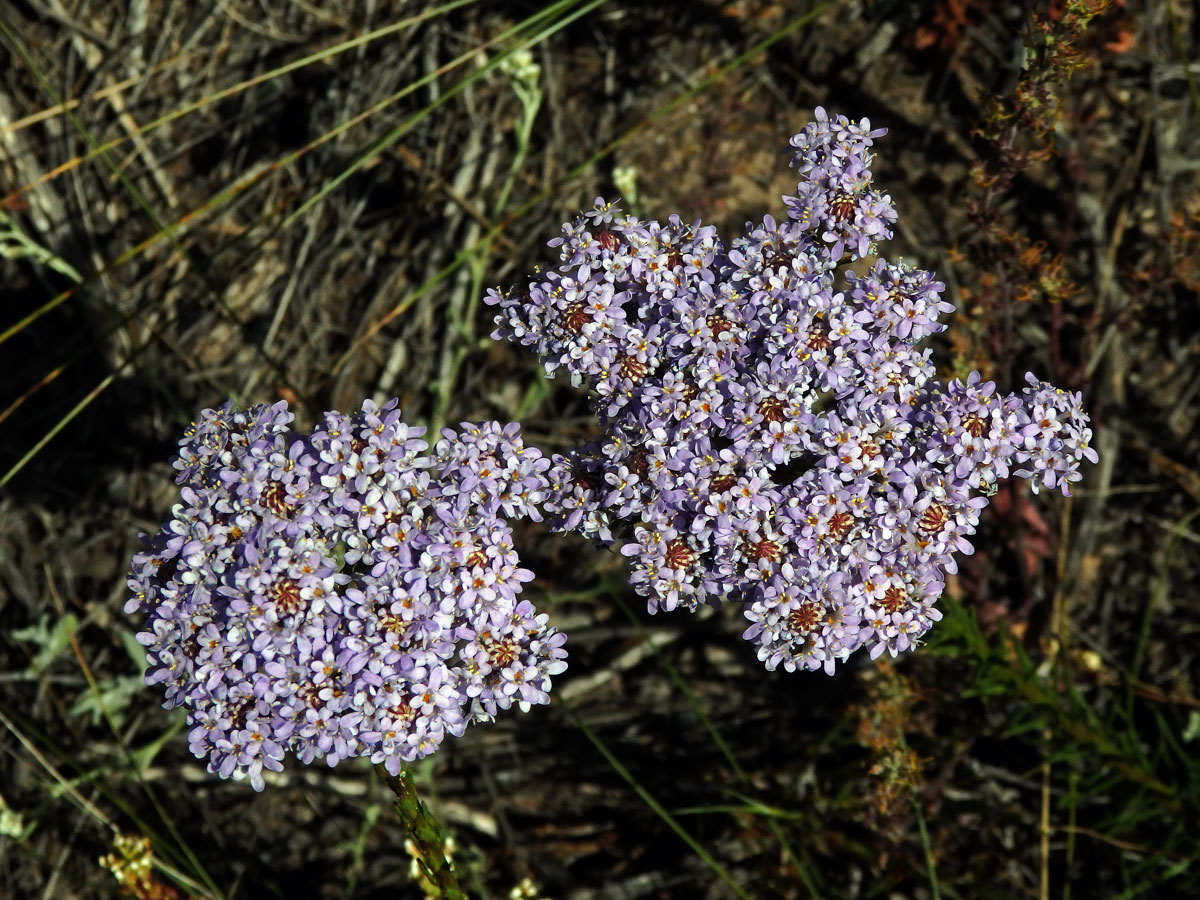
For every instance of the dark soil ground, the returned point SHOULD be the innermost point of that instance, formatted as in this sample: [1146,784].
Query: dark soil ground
[1043,745]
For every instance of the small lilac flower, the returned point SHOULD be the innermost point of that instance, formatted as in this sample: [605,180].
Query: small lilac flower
[771,434]
[317,594]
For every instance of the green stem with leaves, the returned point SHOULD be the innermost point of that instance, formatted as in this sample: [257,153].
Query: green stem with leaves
[426,832]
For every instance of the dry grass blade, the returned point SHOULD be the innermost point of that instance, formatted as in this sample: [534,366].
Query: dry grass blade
[559,15]
[206,101]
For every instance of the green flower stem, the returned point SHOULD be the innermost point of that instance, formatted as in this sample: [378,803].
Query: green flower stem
[426,833]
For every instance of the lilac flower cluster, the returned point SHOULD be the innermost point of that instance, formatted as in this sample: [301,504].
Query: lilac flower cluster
[767,436]
[338,594]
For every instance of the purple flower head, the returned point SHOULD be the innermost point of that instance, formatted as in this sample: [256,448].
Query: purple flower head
[769,433]
[338,594]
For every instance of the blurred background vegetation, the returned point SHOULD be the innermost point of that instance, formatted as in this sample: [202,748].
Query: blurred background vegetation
[296,199]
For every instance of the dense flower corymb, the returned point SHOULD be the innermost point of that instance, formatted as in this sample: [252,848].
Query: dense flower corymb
[771,434]
[338,594]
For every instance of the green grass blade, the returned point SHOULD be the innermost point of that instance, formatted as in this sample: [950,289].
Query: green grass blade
[658,808]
